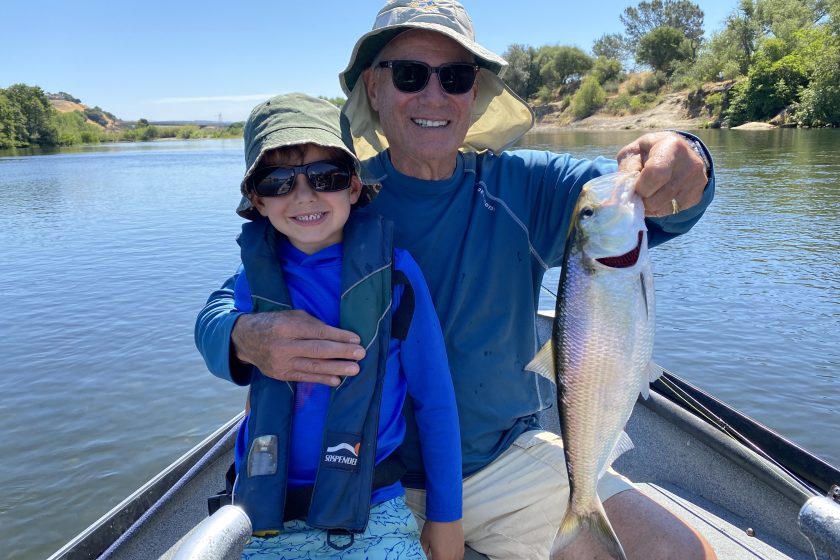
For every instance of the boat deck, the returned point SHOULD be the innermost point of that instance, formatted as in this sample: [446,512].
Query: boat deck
[665,453]
[743,504]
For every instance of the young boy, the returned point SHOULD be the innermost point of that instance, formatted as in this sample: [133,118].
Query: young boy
[316,471]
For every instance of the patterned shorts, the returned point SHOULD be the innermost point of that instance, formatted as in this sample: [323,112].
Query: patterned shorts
[391,534]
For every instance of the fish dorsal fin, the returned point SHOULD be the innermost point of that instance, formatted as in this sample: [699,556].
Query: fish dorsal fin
[623,445]
[543,362]
[653,373]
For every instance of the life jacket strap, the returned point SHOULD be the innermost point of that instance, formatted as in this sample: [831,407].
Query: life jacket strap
[298,498]
[223,497]
[344,532]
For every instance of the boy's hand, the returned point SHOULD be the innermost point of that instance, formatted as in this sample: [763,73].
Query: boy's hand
[295,346]
[443,541]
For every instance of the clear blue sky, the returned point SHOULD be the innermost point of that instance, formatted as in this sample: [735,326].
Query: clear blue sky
[182,59]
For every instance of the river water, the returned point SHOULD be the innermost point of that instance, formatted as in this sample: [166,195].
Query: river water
[107,253]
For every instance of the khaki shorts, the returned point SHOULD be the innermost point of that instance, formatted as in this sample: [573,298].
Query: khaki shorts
[513,506]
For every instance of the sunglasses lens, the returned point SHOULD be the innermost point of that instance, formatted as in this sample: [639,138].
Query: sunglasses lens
[410,77]
[456,78]
[325,176]
[275,181]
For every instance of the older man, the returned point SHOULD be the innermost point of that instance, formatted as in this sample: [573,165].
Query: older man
[427,106]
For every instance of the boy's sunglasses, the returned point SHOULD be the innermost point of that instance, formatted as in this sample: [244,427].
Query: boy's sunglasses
[411,76]
[323,176]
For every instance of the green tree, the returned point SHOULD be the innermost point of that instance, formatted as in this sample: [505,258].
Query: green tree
[523,73]
[662,47]
[740,37]
[560,65]
[610,46]
[148,133]
[820,101]
[606,69]
[11,122]
[783,18]
[720,58]
[588,98]
[833,10]
[38,126]
[679,14]
[769,87]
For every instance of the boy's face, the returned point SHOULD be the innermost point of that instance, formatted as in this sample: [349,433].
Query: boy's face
[311,220]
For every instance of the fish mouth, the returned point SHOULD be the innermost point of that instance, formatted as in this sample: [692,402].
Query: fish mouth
[627,259]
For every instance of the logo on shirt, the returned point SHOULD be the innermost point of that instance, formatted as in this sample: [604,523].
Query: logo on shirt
[484,200]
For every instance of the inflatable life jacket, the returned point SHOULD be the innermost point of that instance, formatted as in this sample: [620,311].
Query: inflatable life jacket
[340,498]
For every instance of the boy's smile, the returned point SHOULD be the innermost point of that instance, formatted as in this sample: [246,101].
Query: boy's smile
[311,220]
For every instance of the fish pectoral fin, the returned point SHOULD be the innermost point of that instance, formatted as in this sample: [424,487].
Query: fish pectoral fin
[623,445]
[654,372]
[543,362]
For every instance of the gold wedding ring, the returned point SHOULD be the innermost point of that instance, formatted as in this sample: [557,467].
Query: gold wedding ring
[675,207]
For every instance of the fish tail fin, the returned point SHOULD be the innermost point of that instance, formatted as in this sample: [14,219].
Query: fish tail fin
[569,528]
[597,523]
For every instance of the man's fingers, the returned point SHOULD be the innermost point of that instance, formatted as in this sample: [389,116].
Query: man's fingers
[324,367]
[324,350]
[300,325]
[300,377]
[630,162]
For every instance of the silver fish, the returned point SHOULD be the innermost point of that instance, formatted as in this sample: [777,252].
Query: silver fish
[601,344]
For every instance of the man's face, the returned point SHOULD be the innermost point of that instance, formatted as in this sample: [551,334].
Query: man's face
[425,128]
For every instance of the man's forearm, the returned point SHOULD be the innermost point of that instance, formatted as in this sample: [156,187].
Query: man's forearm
[213,329]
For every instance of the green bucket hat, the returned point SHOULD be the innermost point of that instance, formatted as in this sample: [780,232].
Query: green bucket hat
[499,116]
[288,120]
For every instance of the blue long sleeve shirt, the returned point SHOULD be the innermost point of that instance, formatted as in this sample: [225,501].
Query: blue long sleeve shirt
[483,238]
[416,366]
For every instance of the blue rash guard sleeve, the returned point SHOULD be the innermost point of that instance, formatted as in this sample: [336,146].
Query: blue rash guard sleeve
[426,369]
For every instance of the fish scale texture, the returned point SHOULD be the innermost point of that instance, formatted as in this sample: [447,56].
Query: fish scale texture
[604,331]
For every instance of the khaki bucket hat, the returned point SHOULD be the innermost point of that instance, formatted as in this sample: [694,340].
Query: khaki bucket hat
[499,117]
[289,120]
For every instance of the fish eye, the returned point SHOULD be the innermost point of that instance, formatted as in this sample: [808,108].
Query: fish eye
[586,212]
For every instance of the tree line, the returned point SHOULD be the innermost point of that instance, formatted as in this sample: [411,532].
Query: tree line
[27,118]
[783,55]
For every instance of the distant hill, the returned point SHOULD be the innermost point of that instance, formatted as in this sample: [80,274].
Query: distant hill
[66,103]
[200,123]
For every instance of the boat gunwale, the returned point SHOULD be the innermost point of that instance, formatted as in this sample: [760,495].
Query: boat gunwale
[100,535]
[796,472]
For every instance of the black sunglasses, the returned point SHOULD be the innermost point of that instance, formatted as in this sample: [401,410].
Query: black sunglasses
[323,176]
[411,76]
